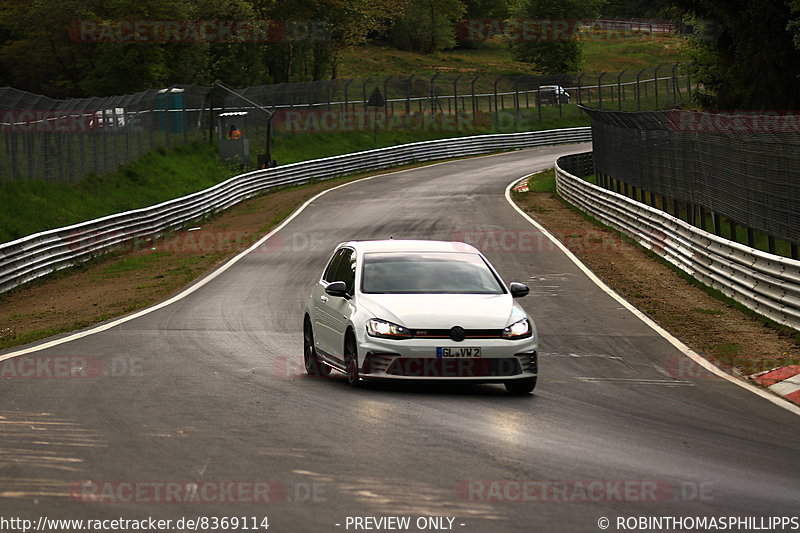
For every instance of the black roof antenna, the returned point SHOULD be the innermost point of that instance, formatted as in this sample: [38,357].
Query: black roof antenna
[391,237]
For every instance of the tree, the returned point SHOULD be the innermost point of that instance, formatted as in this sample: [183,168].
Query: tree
[745,53]
[428,25]
[551,51]
[638,9]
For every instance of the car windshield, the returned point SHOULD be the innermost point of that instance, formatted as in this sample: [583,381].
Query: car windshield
[428,273]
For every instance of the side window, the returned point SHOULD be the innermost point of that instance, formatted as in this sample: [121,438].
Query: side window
[330,270]
[346,270]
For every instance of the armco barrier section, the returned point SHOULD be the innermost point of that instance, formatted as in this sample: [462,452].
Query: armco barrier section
[766,283]
[36,255]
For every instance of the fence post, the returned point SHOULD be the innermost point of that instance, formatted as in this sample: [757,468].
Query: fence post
[474,102]
[655,77]
[346,98]
[675,88]
[600,91]
[496,109]
[408,96]
[638,91]
[455,94]
[386,96]
[619,90]
[433,97]
[364,92]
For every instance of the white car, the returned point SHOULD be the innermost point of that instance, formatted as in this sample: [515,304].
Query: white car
[418,310]
[553,94]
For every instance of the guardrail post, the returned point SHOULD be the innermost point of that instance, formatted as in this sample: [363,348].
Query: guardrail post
[751,238]
[793,248]
[717,223]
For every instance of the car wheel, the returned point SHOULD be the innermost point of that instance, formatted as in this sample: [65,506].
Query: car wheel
[351,360]
[521,386]
[310,360]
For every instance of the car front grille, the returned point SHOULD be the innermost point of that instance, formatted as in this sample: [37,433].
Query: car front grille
[445,333]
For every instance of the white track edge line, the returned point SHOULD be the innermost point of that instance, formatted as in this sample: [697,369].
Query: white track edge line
[225,266]
[694,356]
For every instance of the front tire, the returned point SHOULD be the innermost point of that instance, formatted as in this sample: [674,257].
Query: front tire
[351,361]
[519,387]
[313,366]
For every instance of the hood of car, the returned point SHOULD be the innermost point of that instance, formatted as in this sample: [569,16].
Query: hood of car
[443,311]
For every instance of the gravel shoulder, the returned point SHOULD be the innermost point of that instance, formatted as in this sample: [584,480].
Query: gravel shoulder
[718,329]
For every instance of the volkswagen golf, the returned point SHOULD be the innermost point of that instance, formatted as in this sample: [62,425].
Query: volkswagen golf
[418,310]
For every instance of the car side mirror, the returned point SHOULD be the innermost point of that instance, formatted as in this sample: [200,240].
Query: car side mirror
[518,290]
[337,288]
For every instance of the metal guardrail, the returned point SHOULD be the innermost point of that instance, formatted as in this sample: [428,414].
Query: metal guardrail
[39,254]
[766,283]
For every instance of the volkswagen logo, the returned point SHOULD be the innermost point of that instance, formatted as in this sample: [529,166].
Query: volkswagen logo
[457,333]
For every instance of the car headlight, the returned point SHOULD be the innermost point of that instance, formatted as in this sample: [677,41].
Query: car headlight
[518,330]
[386,330]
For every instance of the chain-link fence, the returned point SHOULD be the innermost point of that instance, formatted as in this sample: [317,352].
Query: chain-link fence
[66,140]
[737,174]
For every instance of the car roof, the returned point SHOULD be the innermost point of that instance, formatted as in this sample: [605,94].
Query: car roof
[403,245]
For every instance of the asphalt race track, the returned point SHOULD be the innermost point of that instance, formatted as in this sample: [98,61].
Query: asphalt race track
[210,391]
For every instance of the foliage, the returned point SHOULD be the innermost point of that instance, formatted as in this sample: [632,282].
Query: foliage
[638,9]
[428,25]
[746,55]
[547,52]
[41,50]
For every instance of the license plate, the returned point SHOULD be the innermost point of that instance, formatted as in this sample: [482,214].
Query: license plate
[462,352]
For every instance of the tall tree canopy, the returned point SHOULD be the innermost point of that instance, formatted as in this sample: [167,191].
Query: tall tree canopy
[745,53]
[547,49]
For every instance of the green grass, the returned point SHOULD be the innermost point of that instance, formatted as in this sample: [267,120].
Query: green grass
[36,205]
[131,263]
[602,52]
[544,181]
[707,311]
[634,51]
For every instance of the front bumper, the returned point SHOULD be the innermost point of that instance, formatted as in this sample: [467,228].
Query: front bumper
[415,359]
